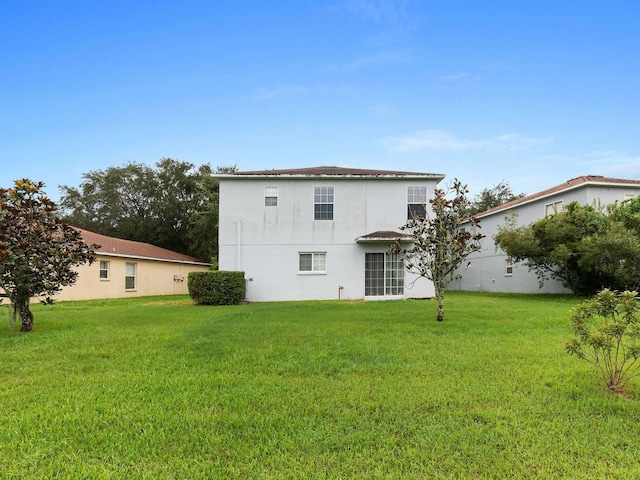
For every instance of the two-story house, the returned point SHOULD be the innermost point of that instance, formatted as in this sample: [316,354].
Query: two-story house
[491,270]
[321,233]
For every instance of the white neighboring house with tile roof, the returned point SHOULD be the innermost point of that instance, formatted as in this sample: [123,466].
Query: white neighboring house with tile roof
[491,270]
[124,268]
[321,233]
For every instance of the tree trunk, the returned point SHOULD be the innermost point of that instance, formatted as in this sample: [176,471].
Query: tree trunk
[440,297]
[26,317]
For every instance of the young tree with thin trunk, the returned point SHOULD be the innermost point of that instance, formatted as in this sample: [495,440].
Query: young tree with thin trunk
[38,251]
[439,244]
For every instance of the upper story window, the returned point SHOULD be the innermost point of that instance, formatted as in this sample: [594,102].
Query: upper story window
[323,203]
[416,202]
[104,270]
[552,208]
[270,196]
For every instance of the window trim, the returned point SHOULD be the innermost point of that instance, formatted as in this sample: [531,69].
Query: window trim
[508,267]
[319,194]
[553,207]
[415,199]
[127,276]
[393,275]
[106,269]
[270,196]
[315,263]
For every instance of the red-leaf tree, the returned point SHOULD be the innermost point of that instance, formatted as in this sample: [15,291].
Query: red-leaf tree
[438,243]
[38,251]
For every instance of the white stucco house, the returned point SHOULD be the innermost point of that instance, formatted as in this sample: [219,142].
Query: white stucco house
[321,233]
[491,270]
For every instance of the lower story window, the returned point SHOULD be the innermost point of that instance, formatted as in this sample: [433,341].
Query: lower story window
[313,262]
[383,275]
[130,276]
[104,270]
[508,267]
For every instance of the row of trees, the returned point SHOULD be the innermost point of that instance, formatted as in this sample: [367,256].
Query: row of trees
[586,247]
[173,205]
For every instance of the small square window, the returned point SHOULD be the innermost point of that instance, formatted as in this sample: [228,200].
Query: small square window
[270,196]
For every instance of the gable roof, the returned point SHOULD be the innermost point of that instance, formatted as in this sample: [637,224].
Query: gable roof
[331,171]
[578,182]
[117,247]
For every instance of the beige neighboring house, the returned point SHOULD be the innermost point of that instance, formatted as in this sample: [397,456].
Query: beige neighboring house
[130,269]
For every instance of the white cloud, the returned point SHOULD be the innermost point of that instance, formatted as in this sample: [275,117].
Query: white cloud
[453,77]
[613,164]
[379,11]
[446,141]
[379,59]
[269,93]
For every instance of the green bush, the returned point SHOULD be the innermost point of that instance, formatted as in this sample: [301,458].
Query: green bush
[217,287]
[607,335]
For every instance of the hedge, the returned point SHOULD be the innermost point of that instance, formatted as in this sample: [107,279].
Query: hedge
[216,287]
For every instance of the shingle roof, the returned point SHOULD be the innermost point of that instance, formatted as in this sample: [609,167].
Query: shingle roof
[126,248]
[568,185]
[333,171]
[383,235]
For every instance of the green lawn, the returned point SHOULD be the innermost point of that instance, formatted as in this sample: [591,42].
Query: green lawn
[158,388]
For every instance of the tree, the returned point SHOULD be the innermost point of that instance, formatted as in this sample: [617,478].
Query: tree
[38,251]
[439,244]
[607,335]
[489,198]
[174,205]
[583,246]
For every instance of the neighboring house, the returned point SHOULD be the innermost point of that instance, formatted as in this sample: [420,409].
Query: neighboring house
[321,233]
[130,269]
[492,271]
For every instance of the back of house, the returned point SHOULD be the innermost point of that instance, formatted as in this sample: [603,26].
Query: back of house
[322,232]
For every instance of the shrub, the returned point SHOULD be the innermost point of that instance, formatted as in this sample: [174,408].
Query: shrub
[216,287]
[607,330]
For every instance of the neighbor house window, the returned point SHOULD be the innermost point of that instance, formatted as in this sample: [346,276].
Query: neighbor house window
[323,203]
[270,196]
[104,270]
[552,208]
[383,274]
[313,262]
[508,267]
[130,276]
[416,202]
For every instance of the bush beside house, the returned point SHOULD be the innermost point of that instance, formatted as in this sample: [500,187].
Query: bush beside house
[217,287]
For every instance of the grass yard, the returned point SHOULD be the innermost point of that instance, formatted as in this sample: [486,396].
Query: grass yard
[157,388]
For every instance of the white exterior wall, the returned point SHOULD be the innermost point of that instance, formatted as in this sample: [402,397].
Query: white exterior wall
[265,242]
[487,271]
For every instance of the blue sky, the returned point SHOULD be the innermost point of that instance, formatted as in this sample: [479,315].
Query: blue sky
[532,92]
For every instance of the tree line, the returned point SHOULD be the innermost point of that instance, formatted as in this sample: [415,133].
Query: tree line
[173,204]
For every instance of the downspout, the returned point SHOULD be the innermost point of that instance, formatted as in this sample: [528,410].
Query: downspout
[239,245]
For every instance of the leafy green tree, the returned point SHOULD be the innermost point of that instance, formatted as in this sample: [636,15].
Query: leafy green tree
[38,251]
[489,198]
[438,243]
[172,205]
[607,335]
[584,247]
